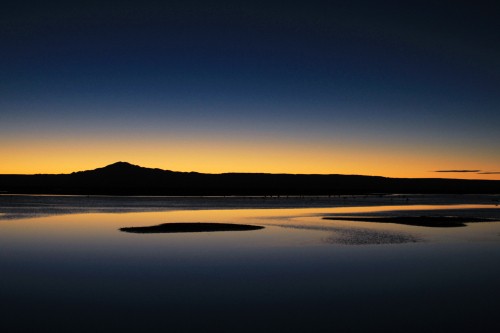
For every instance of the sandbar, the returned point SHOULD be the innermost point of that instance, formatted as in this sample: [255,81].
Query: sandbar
[422,221]
[191,227]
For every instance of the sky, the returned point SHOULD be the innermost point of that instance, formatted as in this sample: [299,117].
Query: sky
[388,88]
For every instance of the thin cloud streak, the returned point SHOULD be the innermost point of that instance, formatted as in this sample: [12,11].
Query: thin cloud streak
[459,171]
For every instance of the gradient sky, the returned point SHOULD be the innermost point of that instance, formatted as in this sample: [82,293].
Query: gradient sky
[390,88]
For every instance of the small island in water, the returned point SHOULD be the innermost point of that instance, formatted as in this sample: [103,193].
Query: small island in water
[190,227]
[421,221]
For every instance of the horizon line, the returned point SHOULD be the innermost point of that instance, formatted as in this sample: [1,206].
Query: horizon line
[266,173]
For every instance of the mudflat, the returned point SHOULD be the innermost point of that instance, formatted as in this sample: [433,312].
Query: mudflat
[422,221]
[190,227]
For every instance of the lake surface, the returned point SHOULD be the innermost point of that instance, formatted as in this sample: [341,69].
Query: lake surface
[65,265]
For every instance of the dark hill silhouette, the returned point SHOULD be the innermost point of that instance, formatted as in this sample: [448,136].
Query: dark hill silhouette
[123,178]
[122,169]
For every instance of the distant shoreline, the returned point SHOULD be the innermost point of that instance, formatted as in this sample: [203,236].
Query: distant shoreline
[27,206]
[124,179]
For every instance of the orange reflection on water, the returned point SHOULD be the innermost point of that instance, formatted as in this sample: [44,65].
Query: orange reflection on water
[107,224]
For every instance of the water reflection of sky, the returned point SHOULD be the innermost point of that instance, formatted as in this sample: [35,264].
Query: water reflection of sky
[80,272]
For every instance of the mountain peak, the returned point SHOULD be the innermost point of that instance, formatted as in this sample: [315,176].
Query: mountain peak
[122,169]
[121,166]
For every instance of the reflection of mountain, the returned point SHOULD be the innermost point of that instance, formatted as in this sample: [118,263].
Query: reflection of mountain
[126,179]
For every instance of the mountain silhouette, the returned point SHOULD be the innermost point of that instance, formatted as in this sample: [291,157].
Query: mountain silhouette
[123,178]
[122,169]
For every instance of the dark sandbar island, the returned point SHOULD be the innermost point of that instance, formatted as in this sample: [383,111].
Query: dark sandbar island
[190,227]
[421,221]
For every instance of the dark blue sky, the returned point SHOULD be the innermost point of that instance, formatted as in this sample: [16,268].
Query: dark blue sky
[378,77]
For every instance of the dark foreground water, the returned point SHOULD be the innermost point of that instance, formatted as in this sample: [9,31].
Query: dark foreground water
[65,266]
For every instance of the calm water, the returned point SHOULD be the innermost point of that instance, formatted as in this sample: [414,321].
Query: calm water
[64,265]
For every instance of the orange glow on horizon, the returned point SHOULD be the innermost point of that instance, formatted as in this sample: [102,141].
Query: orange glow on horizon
[219,156]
